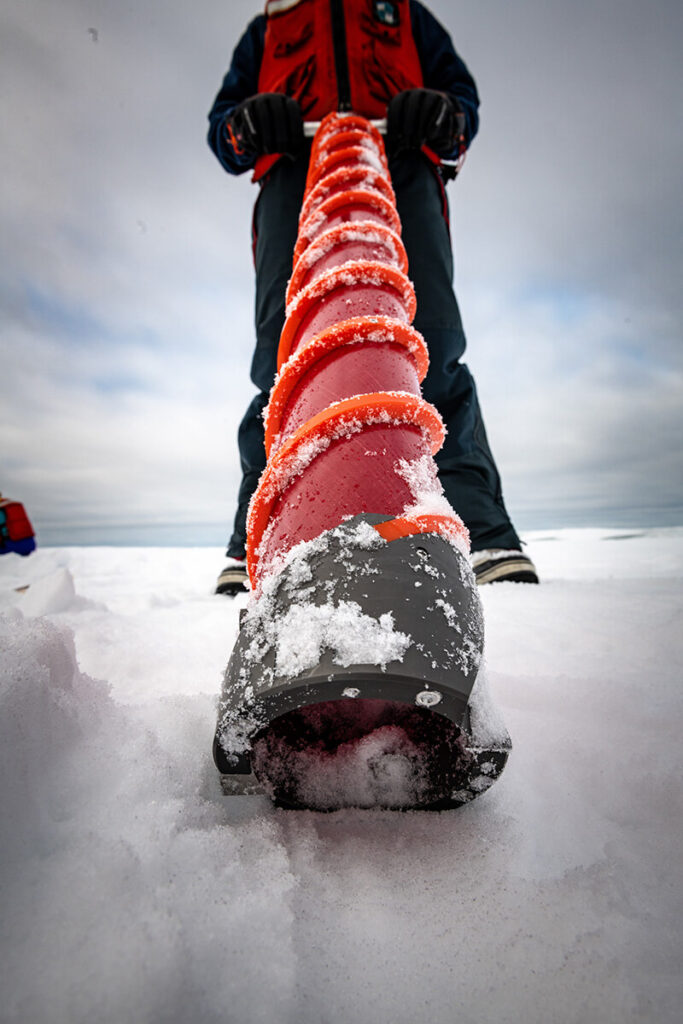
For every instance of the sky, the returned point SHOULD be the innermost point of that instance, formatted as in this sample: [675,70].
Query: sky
[127,286]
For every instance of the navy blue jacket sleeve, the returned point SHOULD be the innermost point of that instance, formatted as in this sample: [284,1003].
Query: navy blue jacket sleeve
[442,68]
[239,84]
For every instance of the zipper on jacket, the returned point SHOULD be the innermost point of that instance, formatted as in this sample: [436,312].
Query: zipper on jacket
[341,62]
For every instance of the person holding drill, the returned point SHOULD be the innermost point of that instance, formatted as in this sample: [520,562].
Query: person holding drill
[299,61]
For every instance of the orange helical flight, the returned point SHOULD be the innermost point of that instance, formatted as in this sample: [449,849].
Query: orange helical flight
[346,409]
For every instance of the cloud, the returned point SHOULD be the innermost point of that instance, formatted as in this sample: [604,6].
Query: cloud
[128,322]
[128,287]
[586,428]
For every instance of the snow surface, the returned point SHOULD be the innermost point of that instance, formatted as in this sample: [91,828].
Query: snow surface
[132,890]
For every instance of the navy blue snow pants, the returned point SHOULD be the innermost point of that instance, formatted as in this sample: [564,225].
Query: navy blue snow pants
[466,466]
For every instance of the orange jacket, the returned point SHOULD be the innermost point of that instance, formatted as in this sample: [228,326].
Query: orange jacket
[350,55]
[339,54]
[330,56]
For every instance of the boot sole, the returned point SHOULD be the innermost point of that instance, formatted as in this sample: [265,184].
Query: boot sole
[509,570]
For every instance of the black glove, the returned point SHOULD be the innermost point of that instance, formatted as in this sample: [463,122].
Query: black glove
[268,123]
[416,117]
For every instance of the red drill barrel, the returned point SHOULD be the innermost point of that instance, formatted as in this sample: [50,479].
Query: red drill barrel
[347,396]
[351,545]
